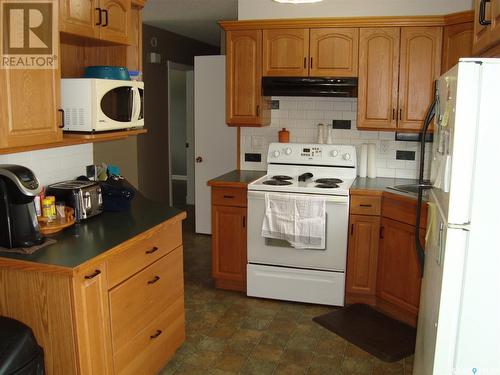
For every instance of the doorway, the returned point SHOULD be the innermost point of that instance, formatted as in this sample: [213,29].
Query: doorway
[181,134]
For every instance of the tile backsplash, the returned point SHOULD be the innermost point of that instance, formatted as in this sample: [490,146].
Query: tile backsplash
[301,116]
[55,164]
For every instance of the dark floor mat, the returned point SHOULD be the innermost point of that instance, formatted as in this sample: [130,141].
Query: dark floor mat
[372,331]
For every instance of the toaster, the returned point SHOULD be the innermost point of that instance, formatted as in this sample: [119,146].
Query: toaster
[84,196]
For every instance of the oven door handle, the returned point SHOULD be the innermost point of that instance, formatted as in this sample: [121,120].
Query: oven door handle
[338,199]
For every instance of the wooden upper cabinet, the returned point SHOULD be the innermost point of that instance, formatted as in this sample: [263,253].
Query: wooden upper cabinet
[482,36]
[108,20]
[420,66]
[397,69]
[495,21]
[115,20]
[378,78]
[457,43]
[334,52]
[29,107]
[79,17]
[244,103]
[286,52]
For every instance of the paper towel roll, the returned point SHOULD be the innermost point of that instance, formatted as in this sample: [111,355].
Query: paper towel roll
[372,167]
[363,160]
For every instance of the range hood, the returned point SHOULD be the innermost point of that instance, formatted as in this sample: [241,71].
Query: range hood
[310,86]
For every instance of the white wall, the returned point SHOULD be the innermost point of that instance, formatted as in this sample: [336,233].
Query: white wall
[55,164]
[301,115]
[268,9]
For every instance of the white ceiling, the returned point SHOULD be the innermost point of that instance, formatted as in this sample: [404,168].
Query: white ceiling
[196,19]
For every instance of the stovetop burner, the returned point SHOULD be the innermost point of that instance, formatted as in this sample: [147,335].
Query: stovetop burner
[327,186]
[282,177]
[328,181]
[276,182]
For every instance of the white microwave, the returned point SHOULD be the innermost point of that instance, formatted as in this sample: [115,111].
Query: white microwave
[95,105]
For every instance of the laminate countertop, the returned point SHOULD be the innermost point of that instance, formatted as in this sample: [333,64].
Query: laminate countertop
[236,178]
[83,242]
[365,185]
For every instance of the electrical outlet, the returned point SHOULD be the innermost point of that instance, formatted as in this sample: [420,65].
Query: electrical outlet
[384,146]
[275,104]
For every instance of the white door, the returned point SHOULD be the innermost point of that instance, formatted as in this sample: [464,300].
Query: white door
[214,142]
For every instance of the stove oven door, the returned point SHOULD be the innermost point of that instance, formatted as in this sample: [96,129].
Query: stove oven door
[274,252]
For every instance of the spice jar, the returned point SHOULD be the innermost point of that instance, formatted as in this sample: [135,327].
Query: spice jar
[284,136]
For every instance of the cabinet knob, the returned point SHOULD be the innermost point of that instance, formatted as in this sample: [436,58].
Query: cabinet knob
[92,275]
[106,19]
[482,13]
[155,279]
[99,16]
[152,250]
[156,334]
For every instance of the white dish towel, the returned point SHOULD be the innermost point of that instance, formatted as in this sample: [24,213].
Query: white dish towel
[298,219]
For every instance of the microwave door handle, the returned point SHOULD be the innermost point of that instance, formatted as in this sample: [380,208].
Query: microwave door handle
[137,104]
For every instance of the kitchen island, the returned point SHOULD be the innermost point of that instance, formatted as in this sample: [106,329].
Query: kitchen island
[108,297]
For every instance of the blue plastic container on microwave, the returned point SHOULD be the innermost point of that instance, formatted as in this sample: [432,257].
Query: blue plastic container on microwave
[107,72]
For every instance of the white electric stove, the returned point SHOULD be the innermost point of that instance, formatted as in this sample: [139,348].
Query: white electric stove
[276,269]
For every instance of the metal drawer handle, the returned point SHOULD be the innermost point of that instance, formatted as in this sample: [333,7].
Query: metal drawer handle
[99,13]
[152,250]
[482,13]
[157,333]
[155,279]
[229,196]
[365,205]
[91,276]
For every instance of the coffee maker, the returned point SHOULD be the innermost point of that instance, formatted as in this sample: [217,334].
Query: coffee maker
[18,222]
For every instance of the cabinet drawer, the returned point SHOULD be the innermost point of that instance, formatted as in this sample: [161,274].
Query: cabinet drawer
[229,196]
[365,205]
[148,351]
[403,209]
[139,300]
[144,251]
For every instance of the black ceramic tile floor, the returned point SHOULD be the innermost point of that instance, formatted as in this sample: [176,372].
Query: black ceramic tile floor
[229,333]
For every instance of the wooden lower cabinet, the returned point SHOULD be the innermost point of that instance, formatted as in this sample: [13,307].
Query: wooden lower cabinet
[229,240]
[398,271]
[362,258]
[87,325]
[382,263]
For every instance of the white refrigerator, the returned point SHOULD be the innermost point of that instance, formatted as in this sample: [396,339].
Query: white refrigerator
[459,319]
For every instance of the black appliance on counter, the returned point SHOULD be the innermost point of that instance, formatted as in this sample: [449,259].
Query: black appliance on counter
[18,222]
[84,196]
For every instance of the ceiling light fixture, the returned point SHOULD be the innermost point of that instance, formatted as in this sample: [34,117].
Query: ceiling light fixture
[297,1]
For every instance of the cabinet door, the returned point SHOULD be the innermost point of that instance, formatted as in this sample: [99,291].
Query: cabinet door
[244,79]
[93,321]
[362,254]
[482,35]
[286,52]
[457,43]
[29,107]
[79,17]
[229,245]
[398,272]
[115,20]
[420,67]
[334,52]
[378,78]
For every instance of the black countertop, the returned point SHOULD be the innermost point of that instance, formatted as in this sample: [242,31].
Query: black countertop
[82,242]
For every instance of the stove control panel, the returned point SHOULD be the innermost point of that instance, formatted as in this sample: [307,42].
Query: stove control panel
[312,154]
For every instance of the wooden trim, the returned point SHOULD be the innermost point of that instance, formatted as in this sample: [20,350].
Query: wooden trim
[460,17]
[71,139]
[385,21]
[492,52]
[355,191]
[28,266]
[138,3]
[351,298]
[228,184]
